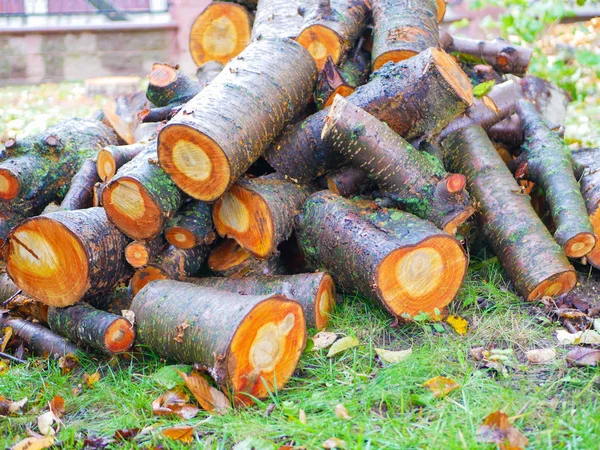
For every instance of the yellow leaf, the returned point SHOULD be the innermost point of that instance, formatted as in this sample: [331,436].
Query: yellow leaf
[184,434]
[441,386]
[3,367]
[67,363]
[334,443]
[459,324]
[323,339]
[34,443]
[91,379]
[209,398]
[8,332]
[393,357]
[341,412]
[57,406]
[341,345]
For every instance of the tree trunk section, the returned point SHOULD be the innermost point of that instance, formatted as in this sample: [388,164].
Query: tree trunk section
[278,19]
[229,259]
[111,158]
[168,86]
[81,192]
[192,226]
[138,254]
[346,181]
[116,301]
[340,80]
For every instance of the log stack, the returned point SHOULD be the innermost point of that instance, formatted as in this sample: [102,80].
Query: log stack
[283,172]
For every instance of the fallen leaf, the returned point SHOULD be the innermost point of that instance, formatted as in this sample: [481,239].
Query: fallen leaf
[8,332]
[441,386]
[589,337]
[91,379]
[323,339]
[174,401]
[393,357]
[253,443]
[597,325]
[3,367]
[96,443]
[209,398]
[541,355]
[459,324]
[68,363]
[8,407]
[169,376]
[497,429]
[341,412]
[487,101]
[57,406]
[334,443]
[180,329]
[341,345]
[45,422]
[483,88]
[34,443]
[184,434]
[126,435]
[76,390]
[129,315]
[582,356]
[302,416]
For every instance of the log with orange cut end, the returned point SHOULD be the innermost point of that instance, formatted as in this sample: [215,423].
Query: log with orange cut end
[138,253]
[229,259]
[192,226]
[589,159]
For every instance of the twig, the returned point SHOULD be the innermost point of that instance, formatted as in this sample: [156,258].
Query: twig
[12,358]
[11,298]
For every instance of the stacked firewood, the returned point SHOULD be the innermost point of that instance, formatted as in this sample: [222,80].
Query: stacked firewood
[285,170]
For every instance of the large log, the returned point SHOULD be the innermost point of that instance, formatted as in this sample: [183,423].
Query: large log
[410,268]
[417,98]
[415,180]
[218,134]
[192,226]
[60,257]
[111,158]
[249,344]
[169,86]
[229,259]
[278,19]
[535,263]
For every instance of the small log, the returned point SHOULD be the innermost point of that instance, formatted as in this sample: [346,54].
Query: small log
[331,27]
[141,198]
[547,161]
[116,301]
[249,344]
[414,179]
[192,226]
[81,192]
[347,181]
[259,213]
[111,158]
[138,254]
[403,29]
[216,137]
[172,264]
[535,263]
[220,33]
[168,86]
[229,259]
[340,80]
[278,19]
[397,94]
[60,257]
[91,327]
[409,267]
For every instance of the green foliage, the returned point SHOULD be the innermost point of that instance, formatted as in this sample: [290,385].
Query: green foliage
[481,89]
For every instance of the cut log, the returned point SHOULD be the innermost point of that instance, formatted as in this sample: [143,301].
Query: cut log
[138,254]
[91,327]
[117,122]
[397,94]
[116,301]
[547,161]
[39,339]
[111,158]
[340,80]
[220,32]
[415,180]
[81,192]
[249,344]
[403,29]
[60,257]
[259,213]
[278,19]
[168,86]
[331,27]
[217,136]
[314,291]
[172,264]
[347,181]
[141,198]
[408,269]
[192,226]
[535,263]
[228,259]
[7,222]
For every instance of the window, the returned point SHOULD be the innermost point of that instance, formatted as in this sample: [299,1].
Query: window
[12,6]
[82,6]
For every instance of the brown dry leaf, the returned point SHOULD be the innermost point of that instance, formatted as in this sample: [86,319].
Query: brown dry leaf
[45,422]
[541,355]
[8,407]
[34,443]
[174,401]
[487,101]
[334,443]
[302,416]
[459,324]
[184,434]
[441,386]
[126,435]
[57,406]
[582,356]
[8,332]
[209,398]
[91,379]
[497,429]
[393,357]
[341,412]
[180,329]
[76,390]
[68,363]
[342,345]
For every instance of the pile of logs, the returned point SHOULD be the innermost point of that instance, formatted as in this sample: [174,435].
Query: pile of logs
[323,144]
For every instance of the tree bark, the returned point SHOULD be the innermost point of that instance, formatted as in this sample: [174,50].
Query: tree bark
[228,259]
[111,158]
[138,254]
[116,301]
[81,192]
[192,226]
[278,19]
[168,86]
[7,222]
[346,181]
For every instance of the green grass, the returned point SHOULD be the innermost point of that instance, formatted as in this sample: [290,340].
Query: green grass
[556,406]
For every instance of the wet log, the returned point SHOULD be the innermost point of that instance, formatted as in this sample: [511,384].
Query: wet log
[331,27]
[220,32]
[217,136]
[141,198]
[138,254]
[111,158]
[346,181]
[397,94]
[192,226]
[229,259]
[81,192]
[533,260]
[259,213]
[168,86]
[63,256]
[90,327]
[409,269]
[340,80]
[547,161]
[278,19]
[415,180]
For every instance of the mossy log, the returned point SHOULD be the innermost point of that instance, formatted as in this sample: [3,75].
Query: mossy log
[141,198]
[547,161]
[229,259]
[314,291]
[259,213]
[331,27]
[403,29]
[417,98]
[169,86]
[217,136]
[250,344]
[415,180]
[172,264]
[220,32]
[138,253]
[535,263]
[410,269]
[111,158]
[7,222]
[60,257]
[340,80]
[346,181]
[192,226]
[91,327]
[39,339]
[115,301]
[278,19]
[81,191]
